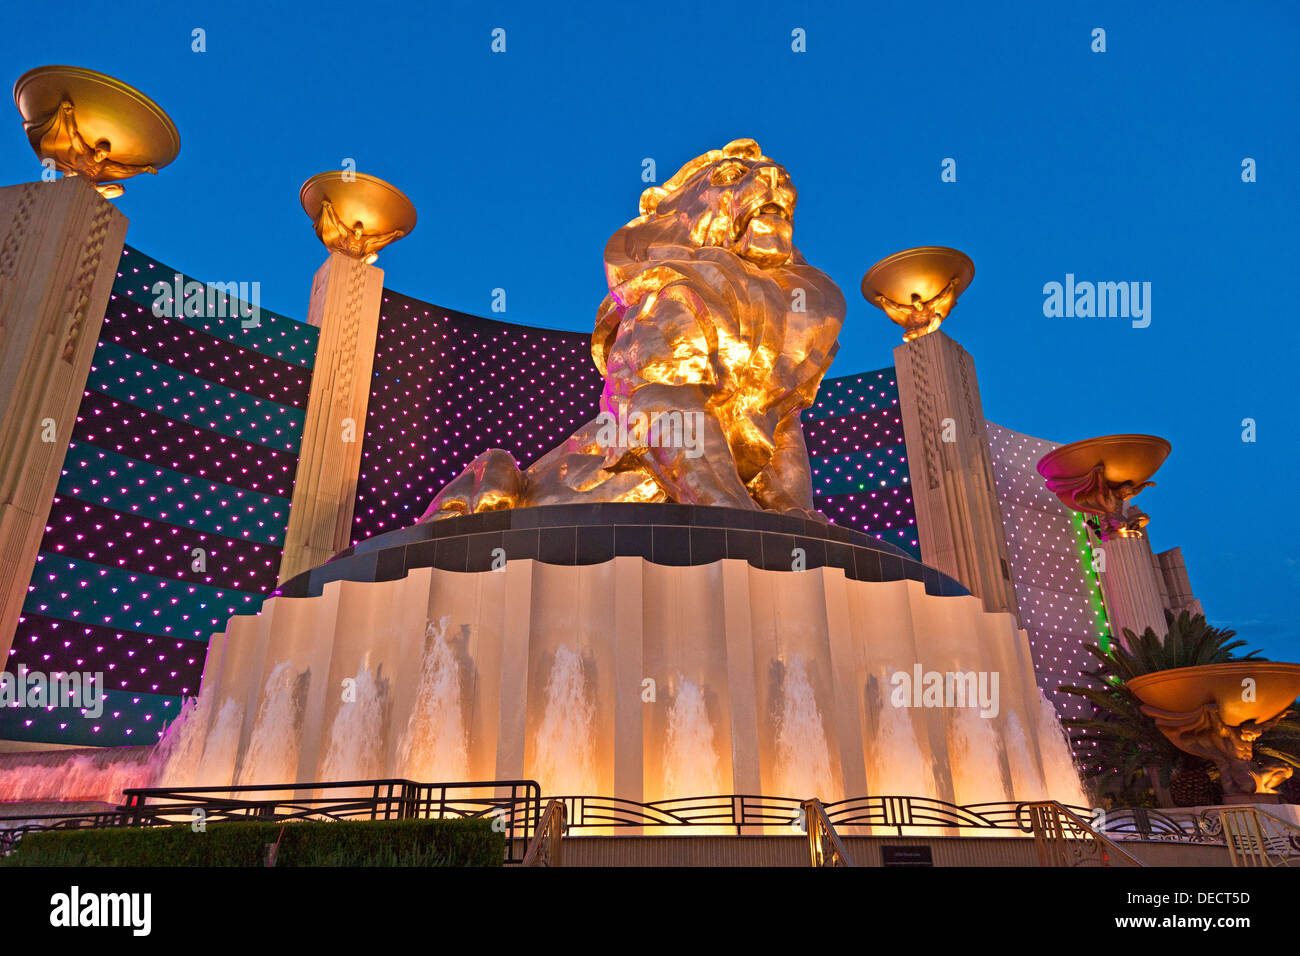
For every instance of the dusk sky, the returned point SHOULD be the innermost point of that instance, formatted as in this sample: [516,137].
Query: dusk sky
[1116,166]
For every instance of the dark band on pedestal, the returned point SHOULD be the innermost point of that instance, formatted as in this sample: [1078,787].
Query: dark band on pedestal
[665,534]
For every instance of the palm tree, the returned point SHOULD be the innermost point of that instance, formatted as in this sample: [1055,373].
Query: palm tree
[1127,758]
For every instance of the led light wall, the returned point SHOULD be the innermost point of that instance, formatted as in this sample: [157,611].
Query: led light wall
[448,386]
[174,499]
[1051,566]
[172,505]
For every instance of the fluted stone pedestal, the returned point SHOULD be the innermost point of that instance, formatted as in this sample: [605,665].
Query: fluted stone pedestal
[345,299]
[644,652]
[958,519]
[1130,587]
[60,243]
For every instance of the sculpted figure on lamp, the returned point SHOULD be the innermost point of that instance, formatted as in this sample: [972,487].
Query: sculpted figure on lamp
[715,332]
[1092,494]
[1203,733]
[351,240]
[921,317]
[58,139]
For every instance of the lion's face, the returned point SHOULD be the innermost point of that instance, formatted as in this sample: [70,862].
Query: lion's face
[744,205]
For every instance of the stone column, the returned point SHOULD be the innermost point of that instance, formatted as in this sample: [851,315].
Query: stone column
[1177,584]
[345,299]
[60,243]
[958,520]
[1130,588]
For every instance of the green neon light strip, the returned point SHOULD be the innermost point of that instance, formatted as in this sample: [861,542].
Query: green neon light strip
[1086,556]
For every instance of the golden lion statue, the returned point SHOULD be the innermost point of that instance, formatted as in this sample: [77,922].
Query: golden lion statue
[714,336]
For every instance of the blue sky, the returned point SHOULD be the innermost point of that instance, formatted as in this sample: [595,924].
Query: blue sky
[1115,166]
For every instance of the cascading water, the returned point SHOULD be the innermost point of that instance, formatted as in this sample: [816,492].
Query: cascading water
[690,755]
[358,737]
[179,753]
[803,763]
[222,747]
[99,776]
[899,767]
[565,760]
[1063,783]
[1026,778]
[435,744]
[974,754]
[272,755]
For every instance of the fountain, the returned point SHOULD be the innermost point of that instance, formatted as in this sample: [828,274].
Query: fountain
[1062,776]
[360,729]
[690,755]
[272,754]
[803,765]
[898,765]
[435,744]
[564,760]
[975,755]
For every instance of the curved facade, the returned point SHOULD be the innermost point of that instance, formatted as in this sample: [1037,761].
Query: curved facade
[172,508]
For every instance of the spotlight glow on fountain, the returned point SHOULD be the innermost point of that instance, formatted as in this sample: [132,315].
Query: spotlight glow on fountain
[1026,778]
[272,755]
[1063,781]
[565,760]
[435,744]
[222,749]
[899,766]
[803,763]
[690,755]
[974,752]
[358,736]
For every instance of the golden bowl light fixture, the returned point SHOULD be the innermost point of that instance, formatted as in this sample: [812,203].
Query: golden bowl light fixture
[1097,476]
[917,288]
[90,124]
[356,214]
[1276,687]
[1218,711]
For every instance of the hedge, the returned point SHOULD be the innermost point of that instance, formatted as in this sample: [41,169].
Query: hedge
[343,843]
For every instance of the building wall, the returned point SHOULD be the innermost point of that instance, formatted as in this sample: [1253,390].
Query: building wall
[1051,566]
[187,437]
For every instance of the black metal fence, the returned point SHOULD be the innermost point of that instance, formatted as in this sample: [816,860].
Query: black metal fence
[515,807]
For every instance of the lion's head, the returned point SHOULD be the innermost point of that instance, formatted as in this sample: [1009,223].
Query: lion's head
[733,199]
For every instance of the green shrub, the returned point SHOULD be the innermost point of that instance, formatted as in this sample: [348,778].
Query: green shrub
[350,843]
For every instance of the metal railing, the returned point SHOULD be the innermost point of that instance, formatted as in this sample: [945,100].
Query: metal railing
[752,813]
[1062,838]
[517,807]
[514,806]
[1257,838]
[825,848]
[547,846]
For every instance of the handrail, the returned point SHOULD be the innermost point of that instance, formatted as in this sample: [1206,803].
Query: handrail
[546,848]
[825,848]
[1251,844]
[517,806]
[1064,839]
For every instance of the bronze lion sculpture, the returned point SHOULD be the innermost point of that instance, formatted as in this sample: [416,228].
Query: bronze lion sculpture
[715,335]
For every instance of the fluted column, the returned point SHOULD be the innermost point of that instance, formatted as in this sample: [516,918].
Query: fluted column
[958,519]
[345,300]
[1130,588]
[60,243]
